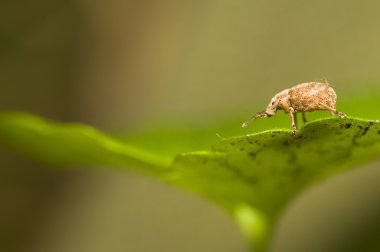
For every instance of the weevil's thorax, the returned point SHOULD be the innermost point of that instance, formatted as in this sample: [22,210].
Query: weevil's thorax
[279,101]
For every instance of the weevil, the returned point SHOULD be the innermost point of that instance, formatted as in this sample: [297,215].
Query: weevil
[305,97]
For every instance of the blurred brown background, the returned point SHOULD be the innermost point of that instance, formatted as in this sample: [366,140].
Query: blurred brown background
[128,63]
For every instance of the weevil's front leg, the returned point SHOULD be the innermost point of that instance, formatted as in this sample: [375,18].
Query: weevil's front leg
[294,127]
[304,117]
[332,110]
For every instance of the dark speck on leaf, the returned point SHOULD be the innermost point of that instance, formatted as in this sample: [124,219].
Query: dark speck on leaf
[253,154]
[360,127]
[241,149]
[233,143]
[250,142]
[348,125]
[300,137]
[365,130]
[274,135]
[378,132]
[297,170]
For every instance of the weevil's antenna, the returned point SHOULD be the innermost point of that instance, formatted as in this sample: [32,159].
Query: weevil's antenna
[257,115]
[324,79]
[245,124]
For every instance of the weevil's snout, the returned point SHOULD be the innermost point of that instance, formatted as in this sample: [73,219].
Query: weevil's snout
[271,110]
[270,113]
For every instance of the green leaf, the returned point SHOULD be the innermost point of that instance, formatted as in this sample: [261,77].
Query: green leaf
[261,173]
[73,144]
[252,176]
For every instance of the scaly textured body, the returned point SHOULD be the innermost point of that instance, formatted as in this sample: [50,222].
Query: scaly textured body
[306,97]
[303,98]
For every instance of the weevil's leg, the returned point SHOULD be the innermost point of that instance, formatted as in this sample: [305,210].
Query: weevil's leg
[304,117]
[296,120]
[332,110]
[294,127]
[341,114]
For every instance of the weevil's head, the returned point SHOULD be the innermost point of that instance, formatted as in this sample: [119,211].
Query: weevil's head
[272,107]
[276,103]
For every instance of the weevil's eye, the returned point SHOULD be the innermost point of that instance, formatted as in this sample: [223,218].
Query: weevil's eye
[272,102]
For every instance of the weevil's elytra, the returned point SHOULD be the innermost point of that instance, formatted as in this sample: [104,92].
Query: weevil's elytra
[305,97]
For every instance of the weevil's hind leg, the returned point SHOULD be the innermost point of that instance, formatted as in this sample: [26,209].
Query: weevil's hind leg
[341,114]
[304,117]
[294,127]
[333,111]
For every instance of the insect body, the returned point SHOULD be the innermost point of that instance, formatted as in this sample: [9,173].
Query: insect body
[303,98]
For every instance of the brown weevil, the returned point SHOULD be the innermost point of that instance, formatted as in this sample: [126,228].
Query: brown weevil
[303,98]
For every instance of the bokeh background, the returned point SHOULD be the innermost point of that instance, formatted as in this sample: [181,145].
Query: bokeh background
[122,64]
